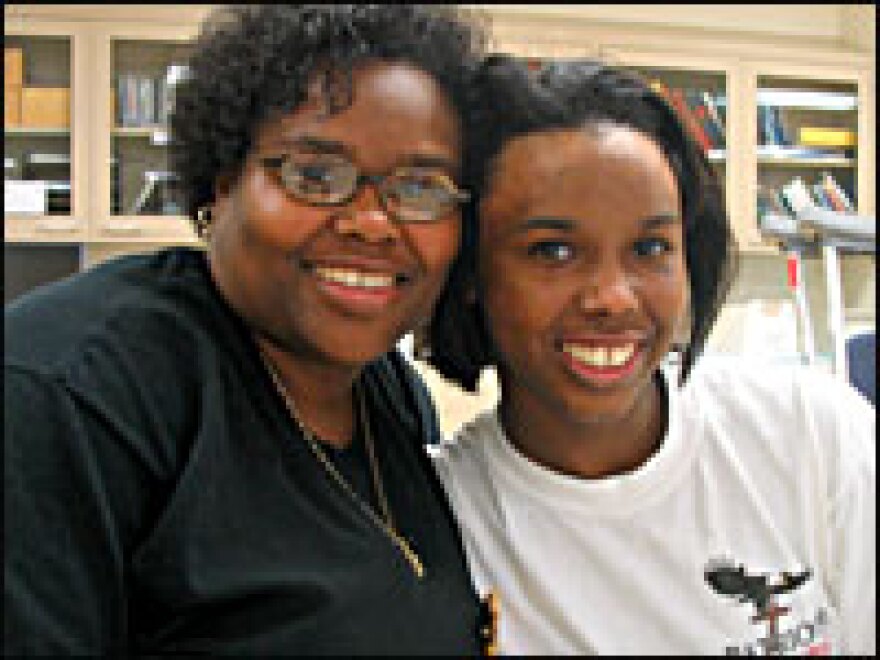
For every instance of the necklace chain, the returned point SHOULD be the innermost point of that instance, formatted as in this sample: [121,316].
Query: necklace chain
[385,522]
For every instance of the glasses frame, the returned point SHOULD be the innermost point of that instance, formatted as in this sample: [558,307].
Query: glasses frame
[378,181]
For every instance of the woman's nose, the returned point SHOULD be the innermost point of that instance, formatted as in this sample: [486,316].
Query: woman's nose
[609,289]
[365,217]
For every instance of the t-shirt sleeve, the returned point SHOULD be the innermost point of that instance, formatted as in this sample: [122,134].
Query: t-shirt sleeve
[852,514]
[64,566]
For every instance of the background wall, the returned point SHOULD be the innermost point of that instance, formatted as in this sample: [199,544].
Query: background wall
[851,24]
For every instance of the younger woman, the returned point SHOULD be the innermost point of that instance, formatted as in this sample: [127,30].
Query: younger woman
[611,507]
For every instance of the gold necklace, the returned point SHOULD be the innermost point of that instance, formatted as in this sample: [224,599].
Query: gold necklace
[386,522]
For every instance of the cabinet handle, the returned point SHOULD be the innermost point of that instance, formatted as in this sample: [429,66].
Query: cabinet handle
[52,226]
[124,230]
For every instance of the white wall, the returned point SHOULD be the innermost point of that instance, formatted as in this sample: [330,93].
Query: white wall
[820,21]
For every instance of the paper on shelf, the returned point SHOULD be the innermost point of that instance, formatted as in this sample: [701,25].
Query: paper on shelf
[25,197]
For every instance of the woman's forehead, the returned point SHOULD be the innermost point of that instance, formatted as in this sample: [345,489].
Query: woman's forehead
[537,167]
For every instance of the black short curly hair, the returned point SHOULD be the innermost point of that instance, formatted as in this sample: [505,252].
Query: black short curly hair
[518,99]
[251,63]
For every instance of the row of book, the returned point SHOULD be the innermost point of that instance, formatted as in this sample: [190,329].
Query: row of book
[797,195]
[771,127]
[808,142]
[143,100]
[701,111]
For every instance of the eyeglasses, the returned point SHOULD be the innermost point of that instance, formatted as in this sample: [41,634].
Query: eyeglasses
[409,194]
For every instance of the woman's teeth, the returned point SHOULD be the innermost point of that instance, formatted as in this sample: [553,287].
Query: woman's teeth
[601,356]
[355,278]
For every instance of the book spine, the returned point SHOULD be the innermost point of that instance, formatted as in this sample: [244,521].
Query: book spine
[687,118]
[698,109]
[826,137]
[128,100]
[798,195]
[765,127]
[782,201]
[821,198]
[783,135]
[714,118]
[146,102]
[835,203]
[162,100]
[837,194]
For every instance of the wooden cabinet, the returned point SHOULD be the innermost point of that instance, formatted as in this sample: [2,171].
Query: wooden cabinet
[85,130]
[133,187]
[45,160]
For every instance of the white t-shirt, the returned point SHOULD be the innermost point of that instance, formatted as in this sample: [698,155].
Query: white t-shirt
[763,472]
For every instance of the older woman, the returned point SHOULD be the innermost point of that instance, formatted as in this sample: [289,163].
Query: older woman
[215,451]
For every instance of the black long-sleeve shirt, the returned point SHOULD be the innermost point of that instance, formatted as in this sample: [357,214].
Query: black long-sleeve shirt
[158,497]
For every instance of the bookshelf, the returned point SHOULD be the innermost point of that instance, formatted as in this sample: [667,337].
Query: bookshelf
[807,142]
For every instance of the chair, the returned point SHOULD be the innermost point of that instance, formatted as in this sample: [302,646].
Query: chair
[861,359]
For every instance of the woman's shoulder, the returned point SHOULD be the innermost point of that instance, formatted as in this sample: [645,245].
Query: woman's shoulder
[743,382]
[795,408]
[466,449]
[399,394]
[141,301]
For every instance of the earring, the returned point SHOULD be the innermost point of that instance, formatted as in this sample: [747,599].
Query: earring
[204,223]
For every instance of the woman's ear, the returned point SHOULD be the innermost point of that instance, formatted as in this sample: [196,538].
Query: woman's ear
[223,185]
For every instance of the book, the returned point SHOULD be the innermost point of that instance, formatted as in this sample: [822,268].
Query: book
[798,195]
[694,99]
[836,194]
[821,198]
[687,118]
[146,101]
[783,134]
[127,89]
[826,137]
[714,116]
[766,134]
[772,127]
[783,202]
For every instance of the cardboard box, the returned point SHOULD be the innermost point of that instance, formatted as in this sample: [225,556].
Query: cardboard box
[11,106]
[13,67]
[45,107]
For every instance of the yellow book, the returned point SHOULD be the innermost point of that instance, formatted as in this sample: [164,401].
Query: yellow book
[826,137]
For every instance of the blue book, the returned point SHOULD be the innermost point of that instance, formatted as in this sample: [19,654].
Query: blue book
[783,135]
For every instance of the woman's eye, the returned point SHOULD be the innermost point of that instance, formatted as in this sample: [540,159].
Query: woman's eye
[650,247]
[314,174]
[551,251]
[318,174]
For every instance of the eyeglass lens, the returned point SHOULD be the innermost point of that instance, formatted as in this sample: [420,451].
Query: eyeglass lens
[411,194]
